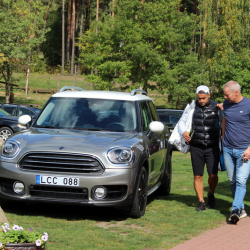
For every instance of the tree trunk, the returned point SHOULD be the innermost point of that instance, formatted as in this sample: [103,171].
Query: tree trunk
[81,27]
[78,11]
[73,25]
[7,80]
[87,15]
[68,31]
[97,18]
[63,36]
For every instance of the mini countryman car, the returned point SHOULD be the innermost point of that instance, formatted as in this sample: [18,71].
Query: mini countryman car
[94,148]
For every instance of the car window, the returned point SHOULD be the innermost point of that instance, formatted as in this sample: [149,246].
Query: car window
[164,118]
[25,111]
[88,113]
[10,110]
[153,111]
[145,115]
[3,112]
[174,119]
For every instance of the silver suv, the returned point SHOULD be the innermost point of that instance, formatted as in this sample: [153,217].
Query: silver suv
[99,148]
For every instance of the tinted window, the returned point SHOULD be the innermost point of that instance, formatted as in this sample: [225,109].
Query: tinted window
[25,111]
[145,115]
[10,110]
[87,113]
[153,111]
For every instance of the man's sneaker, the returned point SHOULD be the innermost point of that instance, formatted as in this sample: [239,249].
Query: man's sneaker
[234,216]
[211,200]
[243,213]
[201,206]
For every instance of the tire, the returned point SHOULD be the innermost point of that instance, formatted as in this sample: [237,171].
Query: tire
[140,199]
[5,133]
[167,178]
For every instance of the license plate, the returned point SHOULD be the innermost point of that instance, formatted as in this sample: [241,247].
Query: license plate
[57,180]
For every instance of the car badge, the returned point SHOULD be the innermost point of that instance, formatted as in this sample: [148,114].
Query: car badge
[61,148]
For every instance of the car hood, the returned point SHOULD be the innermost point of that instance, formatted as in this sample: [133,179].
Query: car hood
[74,141]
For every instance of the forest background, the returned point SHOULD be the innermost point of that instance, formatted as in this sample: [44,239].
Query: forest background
[171,46]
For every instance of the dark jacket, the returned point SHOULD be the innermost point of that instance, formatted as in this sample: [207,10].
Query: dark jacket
[205,125]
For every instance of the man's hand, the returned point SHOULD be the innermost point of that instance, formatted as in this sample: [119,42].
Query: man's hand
[186,136]
[220,106]
[246,154]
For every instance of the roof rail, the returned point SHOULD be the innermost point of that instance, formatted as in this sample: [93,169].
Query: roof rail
[143,92]
[73,88]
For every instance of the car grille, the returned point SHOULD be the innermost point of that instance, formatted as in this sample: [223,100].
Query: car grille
[58,192]
[68,163]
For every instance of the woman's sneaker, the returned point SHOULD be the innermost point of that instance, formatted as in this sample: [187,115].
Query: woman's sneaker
[243,213]
[234,216]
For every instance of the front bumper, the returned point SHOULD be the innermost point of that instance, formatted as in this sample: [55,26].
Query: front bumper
[119,183]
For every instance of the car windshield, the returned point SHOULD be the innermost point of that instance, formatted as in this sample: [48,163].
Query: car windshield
[4,113]
[88,114]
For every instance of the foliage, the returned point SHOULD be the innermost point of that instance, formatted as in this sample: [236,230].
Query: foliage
[150,40]
[160,42]
[169,46]
[21,31]
[225,46]
[16,234]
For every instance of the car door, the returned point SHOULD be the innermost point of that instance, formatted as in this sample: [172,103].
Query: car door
[10,109]
[154,142]
[26,111]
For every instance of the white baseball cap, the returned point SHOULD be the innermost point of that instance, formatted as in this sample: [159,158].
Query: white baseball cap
[202,88]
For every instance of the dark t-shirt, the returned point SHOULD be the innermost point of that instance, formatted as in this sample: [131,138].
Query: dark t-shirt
[237,133]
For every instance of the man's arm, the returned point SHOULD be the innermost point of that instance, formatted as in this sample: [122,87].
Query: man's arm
[182,129]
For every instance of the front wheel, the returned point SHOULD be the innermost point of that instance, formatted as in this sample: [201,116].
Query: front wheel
[140,200]
[5,133]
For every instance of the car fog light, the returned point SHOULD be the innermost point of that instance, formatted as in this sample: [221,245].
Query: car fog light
[18,187]
[100,192]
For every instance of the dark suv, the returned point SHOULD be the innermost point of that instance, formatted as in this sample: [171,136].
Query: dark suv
[18,110]
[95,148]
[8,125]
[170,117]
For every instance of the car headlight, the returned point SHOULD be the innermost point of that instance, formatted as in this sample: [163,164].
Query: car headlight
[120,155]
[10,149]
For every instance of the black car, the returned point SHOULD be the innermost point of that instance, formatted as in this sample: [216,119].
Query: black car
[170,117]
[19,109]
[8,124]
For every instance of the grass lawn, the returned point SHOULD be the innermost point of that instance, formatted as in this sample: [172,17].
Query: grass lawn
[55,82]
[168,220]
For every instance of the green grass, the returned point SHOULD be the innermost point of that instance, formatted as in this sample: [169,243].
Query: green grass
[53,82]
[168,220]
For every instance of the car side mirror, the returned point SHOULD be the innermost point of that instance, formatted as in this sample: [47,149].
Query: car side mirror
[156,127]
[23,121]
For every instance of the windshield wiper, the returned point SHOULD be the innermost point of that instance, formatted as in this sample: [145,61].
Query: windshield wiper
[89,129]
[46,126]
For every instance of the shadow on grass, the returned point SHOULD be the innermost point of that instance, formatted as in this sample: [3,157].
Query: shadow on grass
[67,212]
[223,196]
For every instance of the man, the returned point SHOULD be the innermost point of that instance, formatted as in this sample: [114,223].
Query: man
[204,144]
[236,145]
